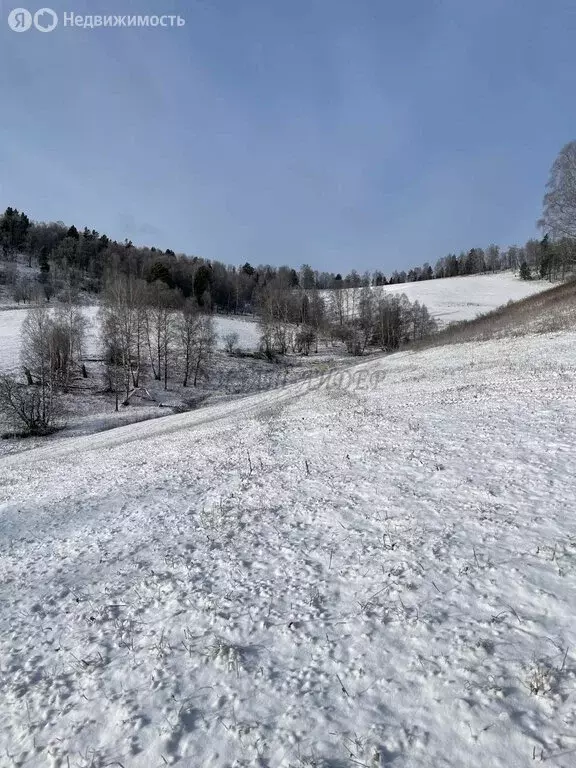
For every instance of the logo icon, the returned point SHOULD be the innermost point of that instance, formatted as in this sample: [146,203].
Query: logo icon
[19,20]
[45,20]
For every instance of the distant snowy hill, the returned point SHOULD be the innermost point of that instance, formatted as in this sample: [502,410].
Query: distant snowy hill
[376,570]
[463,298]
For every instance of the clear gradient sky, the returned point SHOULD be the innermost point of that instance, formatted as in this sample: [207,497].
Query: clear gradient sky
[344,133]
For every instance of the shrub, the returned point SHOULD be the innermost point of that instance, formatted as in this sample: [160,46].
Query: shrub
[231,342]
[304,340]
[30,409]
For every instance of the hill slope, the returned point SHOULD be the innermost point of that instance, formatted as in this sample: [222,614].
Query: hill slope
[455,299]
[546,311]
[335,576]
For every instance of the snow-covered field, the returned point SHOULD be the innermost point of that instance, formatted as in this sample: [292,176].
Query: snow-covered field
[455,298]
[381,573]
[248,330]
[463,298]
[11,323]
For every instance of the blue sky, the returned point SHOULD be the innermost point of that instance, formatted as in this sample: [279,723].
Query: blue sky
[366,134]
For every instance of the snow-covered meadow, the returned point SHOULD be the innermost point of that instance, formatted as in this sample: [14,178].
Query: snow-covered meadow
[462,298]
[450,299]
[377,570]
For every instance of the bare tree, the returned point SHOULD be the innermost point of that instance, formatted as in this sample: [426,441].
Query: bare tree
[36,346]
[230,342]
[566,254]
[337,309]
[275,315]
[68,331]
[28,407]
[493,257]
[394,315]
[559,216]
[266,340]
[122,330]
[187,330]
[115,357]
[304,340]
[51,348]
[280,337]
[278,307]
[22,290]
[366,316]
[160,327]
[37,356]
[203,346]
[317,314]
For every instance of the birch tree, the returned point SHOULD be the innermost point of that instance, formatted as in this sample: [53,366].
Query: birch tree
[187,329]
[123,328]
[160,328]
[559,215]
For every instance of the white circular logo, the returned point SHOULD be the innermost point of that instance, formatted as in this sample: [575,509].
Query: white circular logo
[45,20]
[19,20]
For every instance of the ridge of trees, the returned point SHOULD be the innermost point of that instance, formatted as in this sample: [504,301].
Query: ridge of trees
[87,259]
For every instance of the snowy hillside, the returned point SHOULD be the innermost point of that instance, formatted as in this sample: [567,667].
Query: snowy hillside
[463,298]
[375,573]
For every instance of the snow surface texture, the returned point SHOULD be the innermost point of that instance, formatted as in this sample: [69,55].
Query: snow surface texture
[379,574]
[462,298]
[11,324]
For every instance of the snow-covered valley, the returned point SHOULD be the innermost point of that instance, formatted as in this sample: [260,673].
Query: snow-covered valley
[376,570]
[448,300]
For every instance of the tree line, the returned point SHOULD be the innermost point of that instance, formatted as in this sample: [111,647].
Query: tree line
[359,317]
[86,259]
[146,331]
[149,328]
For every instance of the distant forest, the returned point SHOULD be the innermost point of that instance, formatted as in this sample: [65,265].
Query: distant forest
[64,254]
